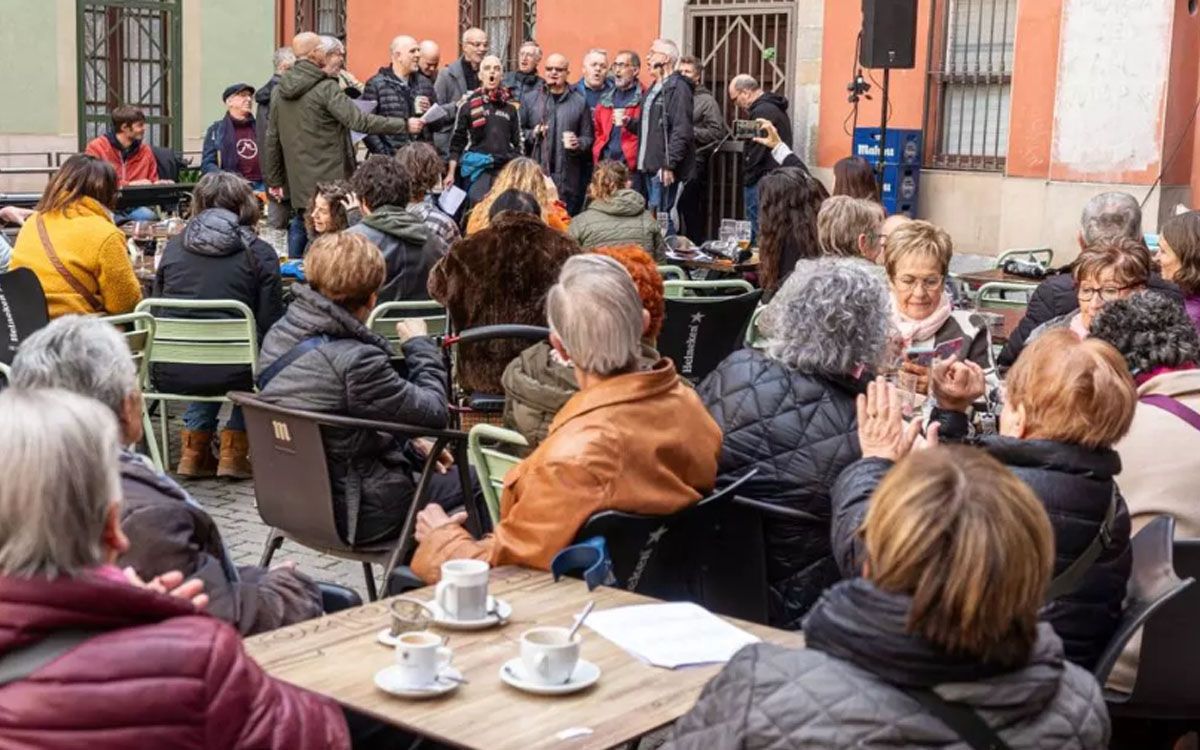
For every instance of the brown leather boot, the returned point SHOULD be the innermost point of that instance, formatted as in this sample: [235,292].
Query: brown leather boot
[197,460]
[235,458]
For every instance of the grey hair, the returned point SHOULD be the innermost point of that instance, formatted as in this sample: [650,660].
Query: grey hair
[1110,216]
[669,48]
[831,317]
[83,355]
[332,45]
[596,51]
[744,82]
[283,57]
[1150,330]
[59,460]
[842,219]
[395,45]
[596,311]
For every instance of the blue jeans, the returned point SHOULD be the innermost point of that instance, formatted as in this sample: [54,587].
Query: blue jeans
[139,213]
[201,416]
[662,200]
[297,241]
[750,194]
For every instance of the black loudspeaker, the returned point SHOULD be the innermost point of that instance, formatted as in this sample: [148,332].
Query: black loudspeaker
[889,34]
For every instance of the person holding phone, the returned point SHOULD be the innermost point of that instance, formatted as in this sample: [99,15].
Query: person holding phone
[917,260]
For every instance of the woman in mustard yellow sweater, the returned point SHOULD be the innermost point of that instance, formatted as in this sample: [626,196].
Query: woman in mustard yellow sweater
[73,246]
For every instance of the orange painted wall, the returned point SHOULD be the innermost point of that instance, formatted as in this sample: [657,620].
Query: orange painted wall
[371,25]
[1181,97]
[570,28]
[1031,127]
[843,21]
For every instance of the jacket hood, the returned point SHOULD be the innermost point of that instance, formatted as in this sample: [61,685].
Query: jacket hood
[387,72]
[537,381]
[867,627]
[622,203]
[263,95]
[770,97]
[216,233]
[313,314]
[137,468]
[399,223]
[300,79]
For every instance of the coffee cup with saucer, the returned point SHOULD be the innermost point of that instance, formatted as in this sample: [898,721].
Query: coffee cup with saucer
[549,663]
[422,668]
[462,602]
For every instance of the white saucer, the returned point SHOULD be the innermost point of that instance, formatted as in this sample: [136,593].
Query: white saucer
[499,613]
[584,676]
[387,680]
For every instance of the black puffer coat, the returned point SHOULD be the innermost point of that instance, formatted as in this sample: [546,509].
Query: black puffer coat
[1075,484]
[215,258]
[395,99]
[352,375]
[799,431]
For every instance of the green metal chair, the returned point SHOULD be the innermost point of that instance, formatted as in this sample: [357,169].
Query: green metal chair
[137,328]
[197,341]
[492,465]
[693,289]
[1043,255]
[384,317]
[673,273]
[754,337]
[996,294]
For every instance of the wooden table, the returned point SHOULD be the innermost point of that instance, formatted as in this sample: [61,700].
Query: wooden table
[977,279]
[338,656]
[1012,317]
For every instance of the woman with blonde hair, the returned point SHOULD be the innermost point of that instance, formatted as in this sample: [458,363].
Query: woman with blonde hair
[617,214]
[525,175]
[956,557]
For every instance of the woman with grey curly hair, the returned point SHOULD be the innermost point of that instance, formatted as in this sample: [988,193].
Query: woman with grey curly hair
[1160,455]
[789,412]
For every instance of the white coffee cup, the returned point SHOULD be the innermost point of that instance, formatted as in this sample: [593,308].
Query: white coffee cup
[421,658]
[619,116]
[568,139]
[462,592]
[548,656]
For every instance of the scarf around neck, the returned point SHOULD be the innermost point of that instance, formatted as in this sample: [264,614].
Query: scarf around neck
[913,331]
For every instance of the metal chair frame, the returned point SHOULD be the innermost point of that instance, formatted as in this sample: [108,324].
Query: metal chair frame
[492,465]
[682,288]
[140,340]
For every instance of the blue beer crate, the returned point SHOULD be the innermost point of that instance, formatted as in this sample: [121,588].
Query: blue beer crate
[903,146]
[900,189]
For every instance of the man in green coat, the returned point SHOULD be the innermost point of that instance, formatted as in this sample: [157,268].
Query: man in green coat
[308,130]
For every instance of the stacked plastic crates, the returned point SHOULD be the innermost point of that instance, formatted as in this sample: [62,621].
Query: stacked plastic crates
[901,184]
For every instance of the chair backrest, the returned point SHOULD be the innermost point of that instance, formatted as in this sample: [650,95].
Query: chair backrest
[1043,255]
[1168,675]
[672,273]
[754,337]
[384,317]
[291,476]
[202,341]
[23,309]
[1004,294]
[699,332]
[713,289]
[137,328]
[491,465]
[711,553]
[5,373]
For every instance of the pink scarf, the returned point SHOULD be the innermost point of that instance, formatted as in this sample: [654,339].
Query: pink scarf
[1078,328]
[913,331]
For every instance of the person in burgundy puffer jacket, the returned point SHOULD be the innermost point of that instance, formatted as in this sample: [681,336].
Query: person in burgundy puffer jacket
[143,669]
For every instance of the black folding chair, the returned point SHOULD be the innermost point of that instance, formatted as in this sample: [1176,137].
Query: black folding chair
[700,331]
[703,554]
[294,495]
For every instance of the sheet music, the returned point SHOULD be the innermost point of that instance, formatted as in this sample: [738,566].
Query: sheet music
[670,635]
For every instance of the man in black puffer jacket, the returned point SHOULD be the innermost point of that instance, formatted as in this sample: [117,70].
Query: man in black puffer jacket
[789,412]
[346,369]
[390,88]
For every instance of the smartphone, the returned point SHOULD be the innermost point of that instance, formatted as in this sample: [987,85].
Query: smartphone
[744,130]
[926,355]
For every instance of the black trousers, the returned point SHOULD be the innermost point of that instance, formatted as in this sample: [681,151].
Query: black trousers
[691,205]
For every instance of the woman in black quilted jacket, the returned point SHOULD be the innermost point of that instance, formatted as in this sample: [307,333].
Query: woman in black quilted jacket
[789,412]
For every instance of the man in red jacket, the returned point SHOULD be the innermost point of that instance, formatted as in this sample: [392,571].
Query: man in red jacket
[617,116]
[124,147]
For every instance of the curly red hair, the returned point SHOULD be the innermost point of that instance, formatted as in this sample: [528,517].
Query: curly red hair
[646,278]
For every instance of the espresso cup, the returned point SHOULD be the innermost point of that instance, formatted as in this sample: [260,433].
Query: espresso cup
[619,116]
[549,655]
[462,592]
[421,658]
[421,104]
[568,139]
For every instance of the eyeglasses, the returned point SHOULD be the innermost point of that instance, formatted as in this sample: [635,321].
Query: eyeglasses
[1107,294]
[929,284]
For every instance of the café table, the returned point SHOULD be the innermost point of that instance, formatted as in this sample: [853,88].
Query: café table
[1012,317]
[976,279]
[338,656]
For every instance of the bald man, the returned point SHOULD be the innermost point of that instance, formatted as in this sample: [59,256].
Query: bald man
[458,78]
[486,134]
[558,131]
[308,135]
[391,89]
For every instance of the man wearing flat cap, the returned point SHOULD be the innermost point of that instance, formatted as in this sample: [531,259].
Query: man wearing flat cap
[230,144]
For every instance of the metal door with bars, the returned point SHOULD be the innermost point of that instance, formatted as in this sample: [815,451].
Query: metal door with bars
[129,52]
[730,37]
[508,24]
[327,17]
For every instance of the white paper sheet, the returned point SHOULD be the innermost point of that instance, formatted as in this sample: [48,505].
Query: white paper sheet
[670,635]
[366,106]
[435,115]
[451,199]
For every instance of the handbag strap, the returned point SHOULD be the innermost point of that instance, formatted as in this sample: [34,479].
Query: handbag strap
[1174,406]
[290,356]
[1066,582]
[19,664]
[69,277]
[962,719]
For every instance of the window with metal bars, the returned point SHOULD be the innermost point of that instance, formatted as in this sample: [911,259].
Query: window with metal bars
[970,83]
[326,17]
[508,23]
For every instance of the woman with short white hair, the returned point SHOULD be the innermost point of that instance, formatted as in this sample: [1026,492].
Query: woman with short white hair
[166,529]
[136,666]
[633,438]
[789,412]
